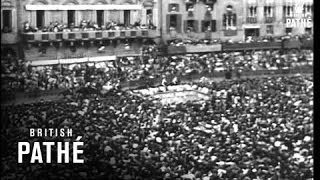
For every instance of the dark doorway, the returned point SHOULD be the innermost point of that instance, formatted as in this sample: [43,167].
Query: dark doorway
[7,20]
[149,16]
[253,32]
[288,30]
[7,53]
[126,17]
[173,20]
[40,19]
[308,31]
[100,17]
[71,17]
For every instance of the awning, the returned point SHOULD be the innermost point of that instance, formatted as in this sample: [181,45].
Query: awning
[102,58]
[251,26]
[72,60]
[203,48]
[32,7]
[44,62]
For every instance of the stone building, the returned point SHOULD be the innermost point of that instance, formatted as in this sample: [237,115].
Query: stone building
[231,19]
[66,29]
[25,24]
[9,29]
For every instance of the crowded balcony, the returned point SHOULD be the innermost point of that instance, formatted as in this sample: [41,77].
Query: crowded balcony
[57,32]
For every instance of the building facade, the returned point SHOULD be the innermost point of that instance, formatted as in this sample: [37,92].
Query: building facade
[232,19]
[9,29]
[269,17]
[64,29]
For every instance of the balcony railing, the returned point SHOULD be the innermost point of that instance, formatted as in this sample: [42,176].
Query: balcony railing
[251,46]
[251,20]
[270,19]
[89,35]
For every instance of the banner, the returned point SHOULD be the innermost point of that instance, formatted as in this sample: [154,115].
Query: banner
[177,49]
[203,48]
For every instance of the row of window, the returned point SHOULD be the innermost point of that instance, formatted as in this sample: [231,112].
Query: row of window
[206,26]
[210,25]
[269,30]
[174,23]
[71,18]
[189,7]
[229,20]
[252,10]
[288,11]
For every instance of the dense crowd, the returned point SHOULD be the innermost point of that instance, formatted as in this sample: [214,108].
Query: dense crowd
[86,25]
[259,128]
[21,75]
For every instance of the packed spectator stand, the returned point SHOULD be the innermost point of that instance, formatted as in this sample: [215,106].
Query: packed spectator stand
[255,128]
[85,25]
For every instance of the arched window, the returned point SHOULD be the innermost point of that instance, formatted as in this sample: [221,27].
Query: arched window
[229,18]
[307,9]
[252,8]
[288,8]
[268,11]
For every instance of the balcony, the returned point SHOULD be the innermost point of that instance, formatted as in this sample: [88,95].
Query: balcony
[251,46]
[269,19]
[252,20]
[89,35]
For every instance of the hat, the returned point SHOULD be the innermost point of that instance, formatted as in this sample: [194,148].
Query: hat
[135,145]
[307,139]
[158,139]
[208,126]
[107,148]
[277,144]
